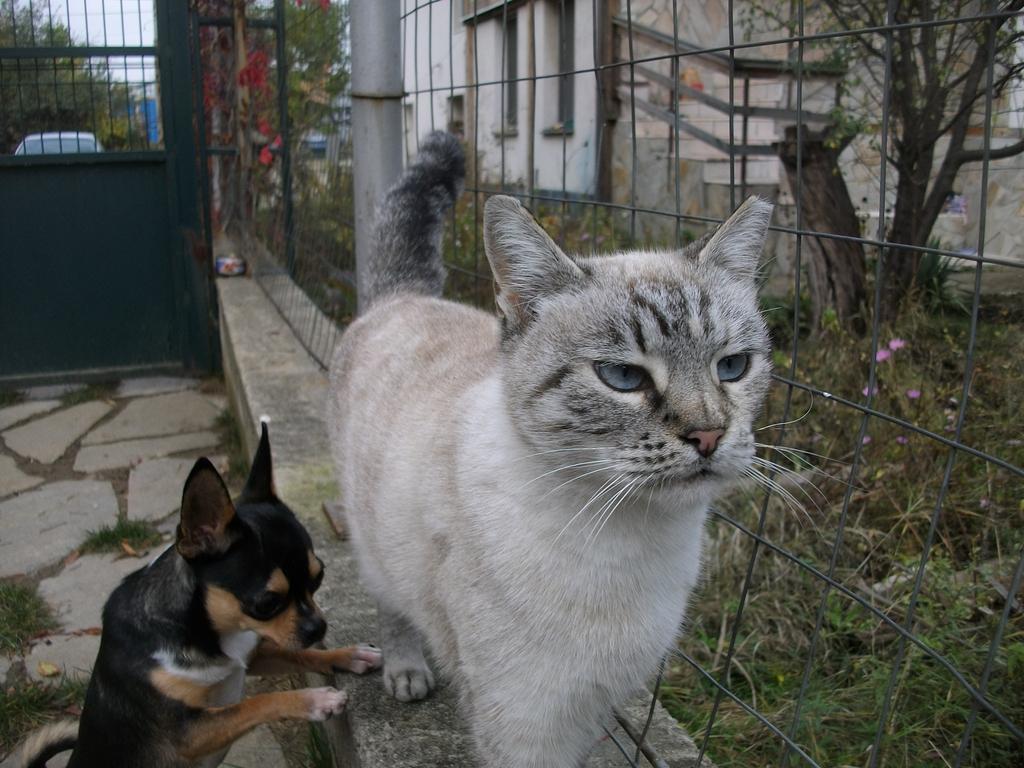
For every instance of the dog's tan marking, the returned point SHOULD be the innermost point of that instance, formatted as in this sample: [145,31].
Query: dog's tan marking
[278,582]
[188,692]
[219,727]
[315,568]
[226,616]
[224,610]
[270,659]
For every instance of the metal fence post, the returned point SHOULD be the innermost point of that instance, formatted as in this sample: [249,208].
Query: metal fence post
[376,119]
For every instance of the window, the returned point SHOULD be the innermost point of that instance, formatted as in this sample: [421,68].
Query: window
[456,115]
[566,61]
[511,71]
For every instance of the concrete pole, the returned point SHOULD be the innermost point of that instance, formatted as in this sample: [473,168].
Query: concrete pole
[376,29]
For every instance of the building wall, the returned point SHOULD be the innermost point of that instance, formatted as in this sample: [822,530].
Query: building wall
[561,162]
[438,50]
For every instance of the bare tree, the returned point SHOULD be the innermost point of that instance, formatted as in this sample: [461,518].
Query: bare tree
[835,267]
[939,54]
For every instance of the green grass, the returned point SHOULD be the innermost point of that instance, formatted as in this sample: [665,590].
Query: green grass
[138,533]
[89,393]
[231,442]
[24,708]
[10,397]
[318,751]
[23,614]
[978,537]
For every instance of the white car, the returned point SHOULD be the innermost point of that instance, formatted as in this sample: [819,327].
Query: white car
[58,143]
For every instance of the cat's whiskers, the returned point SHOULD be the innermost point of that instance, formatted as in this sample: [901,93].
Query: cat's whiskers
[785,449]
[579,477]
[638,485]
[606,486]
[589,463]
[787,498]
[793,455]
[786,423]
[799,479]
[561,450]
[601,518]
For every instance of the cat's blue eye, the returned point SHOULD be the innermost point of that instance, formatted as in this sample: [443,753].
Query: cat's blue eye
[733,367]
[621,377]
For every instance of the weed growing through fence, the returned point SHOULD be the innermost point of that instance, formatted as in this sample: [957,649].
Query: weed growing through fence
[979,537]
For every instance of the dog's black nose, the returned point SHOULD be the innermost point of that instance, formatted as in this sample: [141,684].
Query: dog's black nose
[312,629]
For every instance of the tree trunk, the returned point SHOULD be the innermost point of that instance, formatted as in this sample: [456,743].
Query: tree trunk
[835,268]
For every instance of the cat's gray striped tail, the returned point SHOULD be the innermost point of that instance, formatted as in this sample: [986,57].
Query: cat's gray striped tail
[411,217]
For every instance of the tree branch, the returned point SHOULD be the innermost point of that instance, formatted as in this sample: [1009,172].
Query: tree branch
[1000,153]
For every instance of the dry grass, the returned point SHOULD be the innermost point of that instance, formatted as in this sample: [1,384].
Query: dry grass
[976,544]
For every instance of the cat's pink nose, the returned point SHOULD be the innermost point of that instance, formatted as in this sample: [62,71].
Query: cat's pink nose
[705,440]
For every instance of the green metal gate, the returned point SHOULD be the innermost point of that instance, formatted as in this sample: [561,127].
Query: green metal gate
[104,250]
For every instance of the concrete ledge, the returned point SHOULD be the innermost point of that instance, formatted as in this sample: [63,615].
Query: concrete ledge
[269,372]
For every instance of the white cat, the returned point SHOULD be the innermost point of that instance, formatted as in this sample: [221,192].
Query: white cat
[527,495]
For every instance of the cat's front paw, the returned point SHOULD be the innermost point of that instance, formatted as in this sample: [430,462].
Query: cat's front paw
[358,659]
[322,703]
[408,683]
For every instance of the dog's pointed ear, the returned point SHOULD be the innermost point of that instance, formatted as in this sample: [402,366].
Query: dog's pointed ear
[206,513]
[260,485]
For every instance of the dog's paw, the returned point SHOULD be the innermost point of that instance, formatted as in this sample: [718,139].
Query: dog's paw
[407,683]
[323,703]
[362,658]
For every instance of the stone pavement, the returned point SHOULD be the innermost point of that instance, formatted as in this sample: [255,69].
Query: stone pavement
[66,470]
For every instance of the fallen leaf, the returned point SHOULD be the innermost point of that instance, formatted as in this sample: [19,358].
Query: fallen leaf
[89,631]
[46,669]
[128,549]
[71,558]
[74,710]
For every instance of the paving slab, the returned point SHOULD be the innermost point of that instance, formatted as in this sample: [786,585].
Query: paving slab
[14,414]
[154,385]
[171,414]
[73,655]
[257,749]
[50,391]
[13,480]
[220,402]
[77,594]
[47,438]
[40,527]
[94,458]
[154,488]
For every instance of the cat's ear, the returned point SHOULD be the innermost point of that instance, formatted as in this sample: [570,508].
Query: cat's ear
[526,262]
[737,243]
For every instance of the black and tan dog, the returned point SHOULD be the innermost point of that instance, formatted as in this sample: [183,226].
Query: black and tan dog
[234,595]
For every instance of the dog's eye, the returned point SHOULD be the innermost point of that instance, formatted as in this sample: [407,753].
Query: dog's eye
[266,605]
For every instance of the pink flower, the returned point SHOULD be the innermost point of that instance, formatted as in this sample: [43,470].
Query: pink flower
[873,390]
[882,355]
[902,440]
[866,440]
[895,344]
[913,394]
[984,503]
[266,156]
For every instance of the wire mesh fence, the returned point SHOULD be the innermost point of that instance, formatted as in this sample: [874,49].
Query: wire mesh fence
[862,602]
[75,78]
